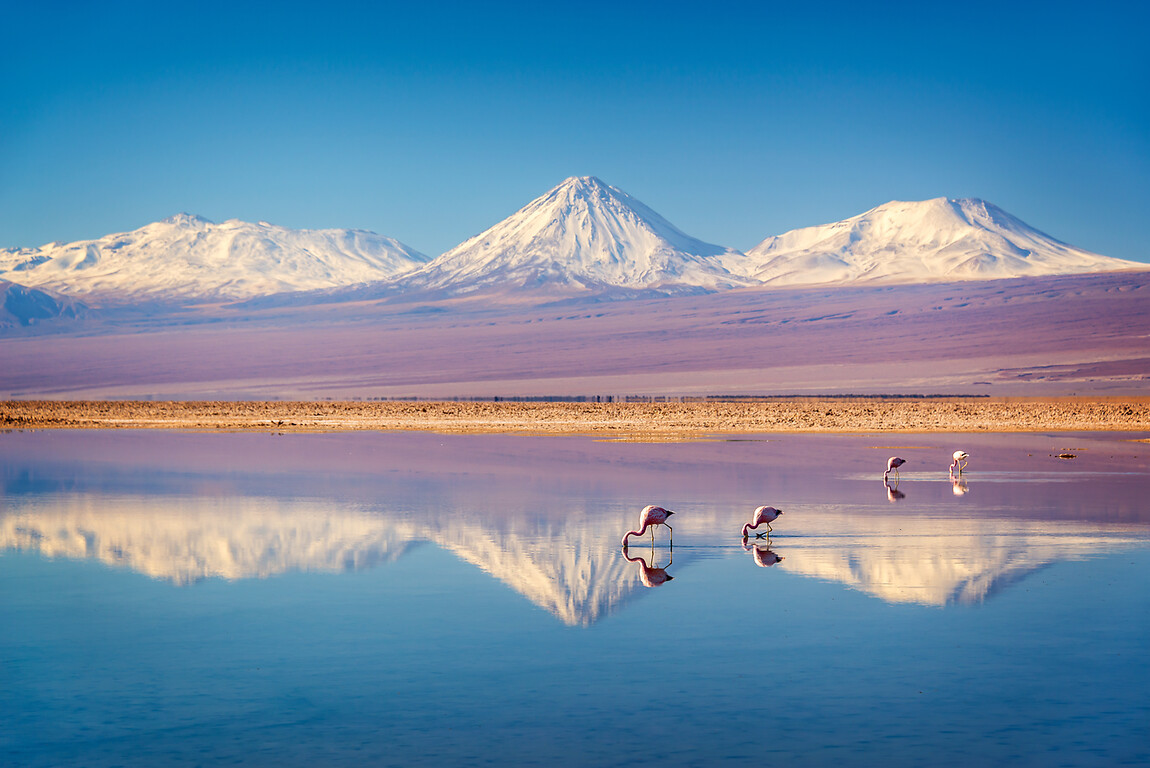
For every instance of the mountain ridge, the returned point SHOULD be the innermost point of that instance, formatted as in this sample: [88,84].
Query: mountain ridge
[937,240]
[583,238]
[186,257]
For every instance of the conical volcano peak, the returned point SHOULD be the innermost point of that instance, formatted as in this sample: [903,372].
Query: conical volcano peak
[584,182]
[582,235]
[587,190]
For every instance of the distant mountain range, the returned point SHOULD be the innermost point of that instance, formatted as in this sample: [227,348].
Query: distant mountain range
[187,258]
[582,238]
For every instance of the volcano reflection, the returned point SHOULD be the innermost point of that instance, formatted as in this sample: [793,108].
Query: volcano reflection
[569,565]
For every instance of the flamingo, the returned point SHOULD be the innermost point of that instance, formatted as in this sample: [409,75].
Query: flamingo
[762,515]
[892,465]
[959,461]
[649,518]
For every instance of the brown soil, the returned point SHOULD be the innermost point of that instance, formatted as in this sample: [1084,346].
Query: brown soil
[622,420]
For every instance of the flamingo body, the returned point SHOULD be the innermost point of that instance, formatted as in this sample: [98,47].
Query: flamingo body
[960,458]
[650,517]
[892,465]
[762,516]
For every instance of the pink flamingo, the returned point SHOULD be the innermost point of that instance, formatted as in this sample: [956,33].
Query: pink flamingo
[892,465]
[649,518]
[651,577]
[763,515]
[960,458]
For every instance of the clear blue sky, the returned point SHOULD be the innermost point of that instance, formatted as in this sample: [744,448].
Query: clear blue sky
[429,122]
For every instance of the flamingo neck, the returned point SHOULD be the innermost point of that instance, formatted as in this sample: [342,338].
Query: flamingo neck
[748,527]
[639,532]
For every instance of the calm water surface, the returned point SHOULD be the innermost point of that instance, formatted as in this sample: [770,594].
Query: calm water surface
[182,599]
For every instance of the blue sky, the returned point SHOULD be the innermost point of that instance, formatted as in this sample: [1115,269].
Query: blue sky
[430,122]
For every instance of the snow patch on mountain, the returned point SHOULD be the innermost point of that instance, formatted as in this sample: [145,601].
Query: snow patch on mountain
[188,258]
[939,240]
[581,236]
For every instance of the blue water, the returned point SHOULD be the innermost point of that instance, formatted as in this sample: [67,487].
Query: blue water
[389,599]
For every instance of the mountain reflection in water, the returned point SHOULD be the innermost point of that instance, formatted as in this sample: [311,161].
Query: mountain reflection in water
[570,565]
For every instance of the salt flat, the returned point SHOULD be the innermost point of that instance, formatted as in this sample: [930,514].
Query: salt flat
[1050,336]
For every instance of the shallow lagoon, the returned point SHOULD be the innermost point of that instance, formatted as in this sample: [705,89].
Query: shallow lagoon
[417,599]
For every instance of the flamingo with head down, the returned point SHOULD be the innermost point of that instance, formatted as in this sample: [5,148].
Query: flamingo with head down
[892,465]
[762,516]
[960,458]
[650,517]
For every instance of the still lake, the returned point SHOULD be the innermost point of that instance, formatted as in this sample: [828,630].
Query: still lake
[362,599]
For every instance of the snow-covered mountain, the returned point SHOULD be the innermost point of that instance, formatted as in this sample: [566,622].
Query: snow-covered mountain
[188,258]
[581,236]
[939,240]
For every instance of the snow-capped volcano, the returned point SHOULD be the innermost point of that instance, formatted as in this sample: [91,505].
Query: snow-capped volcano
[188,258]
[939,240]
[581,235]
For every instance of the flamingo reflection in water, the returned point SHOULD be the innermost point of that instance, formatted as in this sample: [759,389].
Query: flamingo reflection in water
[893,494]
[762,516]
[958,485]
[763,555]
[650,517]
[649,575]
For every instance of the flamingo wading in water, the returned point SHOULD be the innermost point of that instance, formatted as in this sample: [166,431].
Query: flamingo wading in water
[892,465]
[762,516]
[960,458]
[649,518]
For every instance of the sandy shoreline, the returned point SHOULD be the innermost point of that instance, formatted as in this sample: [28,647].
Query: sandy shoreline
[654,420]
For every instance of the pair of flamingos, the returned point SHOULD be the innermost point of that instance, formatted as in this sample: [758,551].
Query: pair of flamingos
[959,462]
[652,516]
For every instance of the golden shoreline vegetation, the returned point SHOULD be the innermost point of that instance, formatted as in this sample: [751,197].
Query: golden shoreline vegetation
[654,419]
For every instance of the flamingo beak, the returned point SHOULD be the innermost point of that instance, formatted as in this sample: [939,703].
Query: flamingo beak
[669,513]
